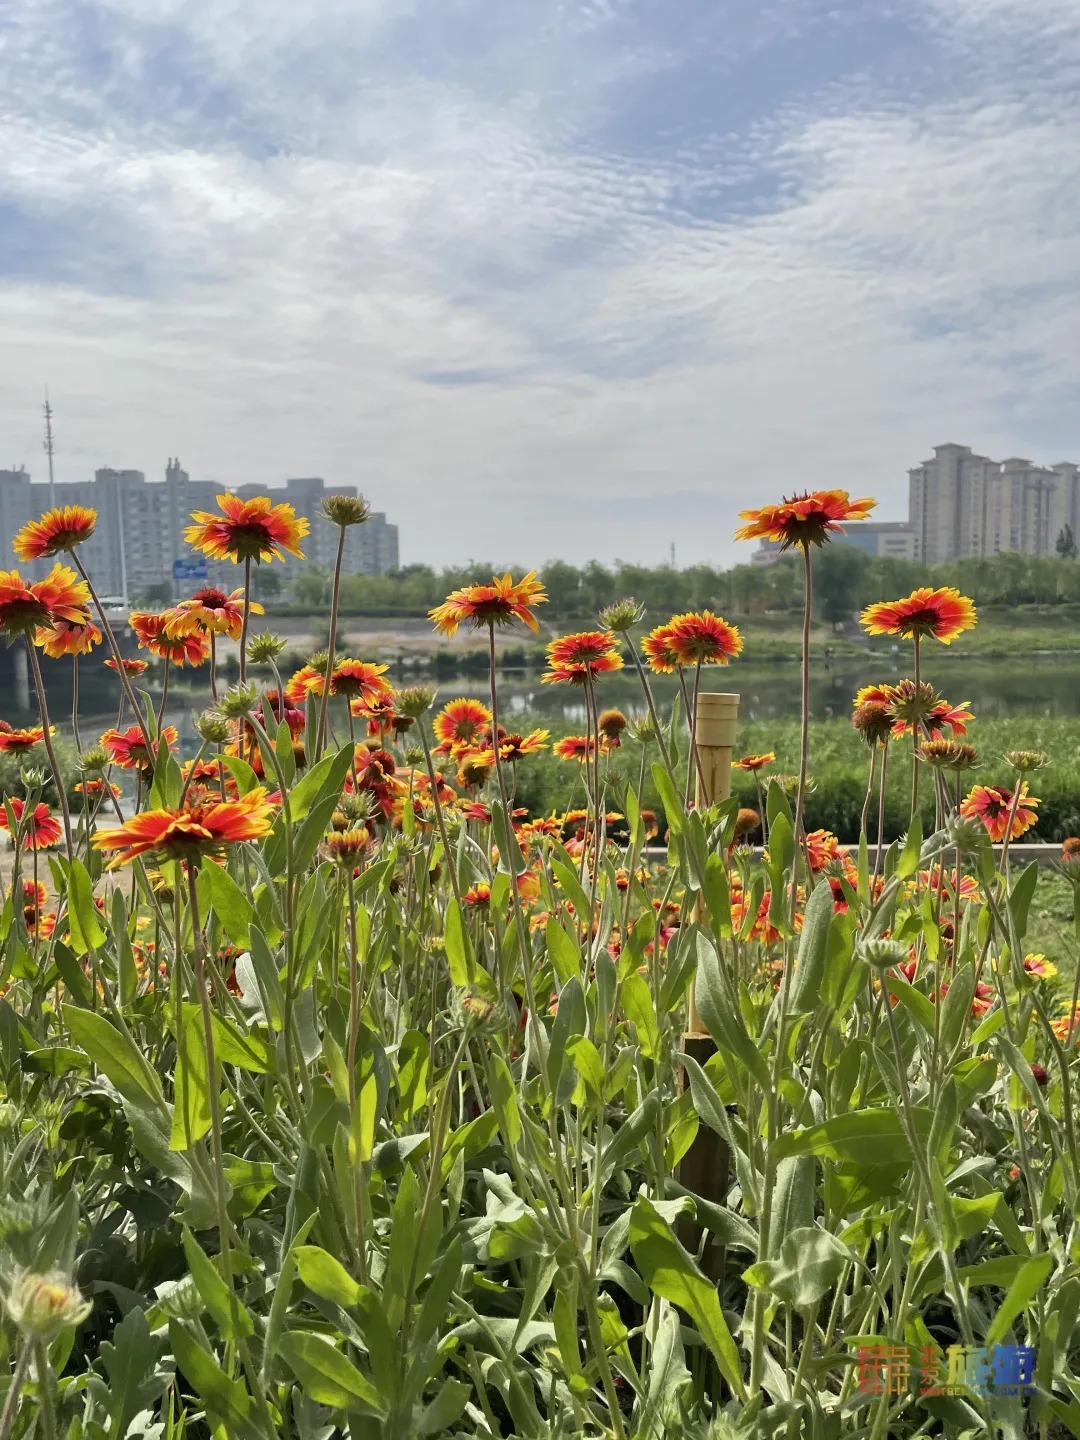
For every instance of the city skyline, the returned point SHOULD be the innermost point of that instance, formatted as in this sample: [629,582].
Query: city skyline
[597,274]
[139,534]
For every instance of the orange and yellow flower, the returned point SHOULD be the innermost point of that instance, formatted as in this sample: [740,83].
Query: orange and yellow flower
[700,637]
[806,519]
[17,742]
[127,748]
[661,655]
[210,611]
[189,832]
[27,605]
[40,828]
[941,720]
[1039,966]
[573,659]
[500,603]
[942,614]
[129,667]
[753,763]
[247,530]
[308,680]
[516,747]
[154,634]
[459,723]
[359,680]
[54,532]
[66,637]
[574,747]
[992,804]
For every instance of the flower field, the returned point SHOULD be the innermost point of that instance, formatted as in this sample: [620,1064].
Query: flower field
[367,1074]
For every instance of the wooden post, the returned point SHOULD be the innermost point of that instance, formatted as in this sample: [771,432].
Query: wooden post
[706,1165]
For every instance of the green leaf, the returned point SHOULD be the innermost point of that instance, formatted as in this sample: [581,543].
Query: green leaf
[413,1070]
[1023,892]
[571,887]
[235,1047]
[718,1007]
[1030,1278]
[83,919]
[570,1019]
[446,1409]
[674,811]
[230,904]
[242,773]
[228,1404]
[231,1318]
[813,947]
[191,1112]
[956,1007]
[326,1276]
[811,1262]
[504,1100]
[129,1360]
[115,1056]
[863,1137]
[670,1272]
[565,955]
[908,863]
[459,958]
[265,972]
[638,1006]
[326,1375]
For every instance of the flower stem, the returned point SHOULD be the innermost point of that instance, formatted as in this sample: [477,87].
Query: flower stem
[915,731]
[246,619]
[61,793]
[125,683]
[11,1404]
[75,702]
[331,645]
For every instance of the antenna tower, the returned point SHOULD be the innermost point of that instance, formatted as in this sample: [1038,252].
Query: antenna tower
[49,448]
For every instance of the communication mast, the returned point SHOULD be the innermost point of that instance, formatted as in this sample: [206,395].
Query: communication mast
[49,449]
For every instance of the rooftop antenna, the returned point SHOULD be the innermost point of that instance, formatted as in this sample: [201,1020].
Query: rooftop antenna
[49,448]
[673,554]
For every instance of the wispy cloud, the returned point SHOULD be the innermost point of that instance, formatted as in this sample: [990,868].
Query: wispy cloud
[574,279]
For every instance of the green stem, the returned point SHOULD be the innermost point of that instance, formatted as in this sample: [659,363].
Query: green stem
[61,792]
[331,645]
[11,1404]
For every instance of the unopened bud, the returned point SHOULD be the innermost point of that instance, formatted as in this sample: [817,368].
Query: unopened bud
[43,1305]
[345,510]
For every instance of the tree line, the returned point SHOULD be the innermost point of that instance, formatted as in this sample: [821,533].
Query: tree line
[845,579]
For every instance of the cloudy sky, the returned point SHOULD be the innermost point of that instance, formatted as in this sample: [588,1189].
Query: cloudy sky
[543,277]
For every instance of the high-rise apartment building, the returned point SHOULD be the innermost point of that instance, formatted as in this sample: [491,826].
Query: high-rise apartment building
[961,503]
[141,523]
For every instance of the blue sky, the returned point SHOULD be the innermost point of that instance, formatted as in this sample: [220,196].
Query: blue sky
[545,277]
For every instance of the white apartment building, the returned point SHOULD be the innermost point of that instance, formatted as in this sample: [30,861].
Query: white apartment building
[962,503]
[140,529]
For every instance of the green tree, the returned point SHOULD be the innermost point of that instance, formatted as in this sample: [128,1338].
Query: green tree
[838,582]
[1065,544]
[311,586]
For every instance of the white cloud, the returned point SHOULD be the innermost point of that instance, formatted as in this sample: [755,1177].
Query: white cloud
[635,361]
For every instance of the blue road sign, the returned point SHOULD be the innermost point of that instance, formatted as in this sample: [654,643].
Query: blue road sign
[191,569]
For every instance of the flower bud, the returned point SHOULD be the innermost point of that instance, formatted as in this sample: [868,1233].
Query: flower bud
[414,701]
[345,510]
[94,760]
[883,954]
[622,616]
[263,648]
[611,723]
[238,701]
[43,1305]
[1026,761]
[213,727]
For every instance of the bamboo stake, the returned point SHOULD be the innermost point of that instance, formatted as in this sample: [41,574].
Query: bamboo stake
[715,729]
[705,1168]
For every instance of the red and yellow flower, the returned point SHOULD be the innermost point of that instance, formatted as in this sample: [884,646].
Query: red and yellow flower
[26,605]
[500,603]
[308,680]
[247,530]
[1039,966]
[517,747]
[189,832]
[129,667]
[153,633]
[459,723]
[992,804]
[700,637]
[806,519]
[17,742]
[942,614]
[66,637]
[55,532]
[753,763]
[573,659]
[660,654]
[211,612]
[40,828]
[127,748]
[359,680]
